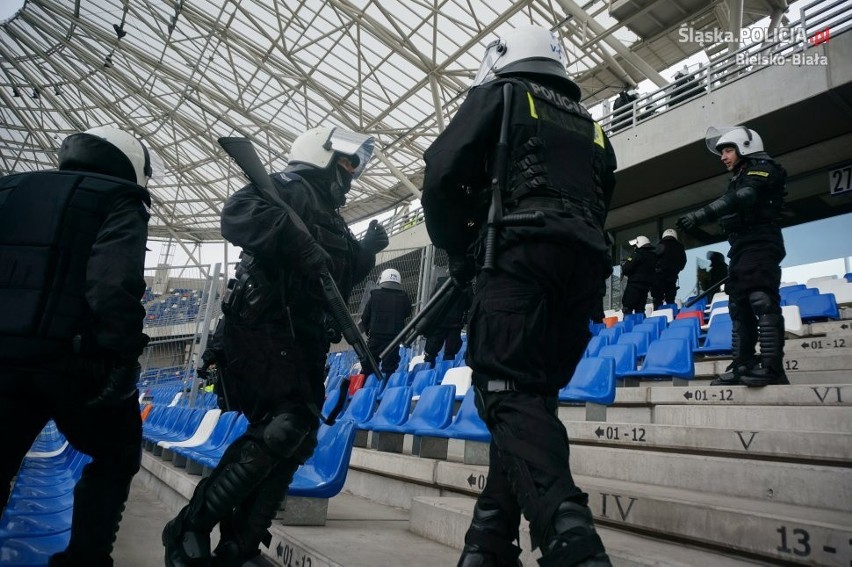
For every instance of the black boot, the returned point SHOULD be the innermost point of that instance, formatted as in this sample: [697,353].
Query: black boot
[734,372]
[488,541]
[743,341]
[188,544]
[99,499]
[572,539]
[771,370]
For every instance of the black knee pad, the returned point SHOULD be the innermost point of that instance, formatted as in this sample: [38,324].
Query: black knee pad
[762,303]
[286,433]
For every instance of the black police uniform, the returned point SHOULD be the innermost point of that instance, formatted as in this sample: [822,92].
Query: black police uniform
[718,268]
[214,354]
[640,269]
[72,253]
[748,213]
[384,317]
[276,361]
[447,333]
[529,319]
[671,259]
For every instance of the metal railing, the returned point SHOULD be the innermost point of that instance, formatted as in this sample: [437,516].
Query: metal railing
[818,22]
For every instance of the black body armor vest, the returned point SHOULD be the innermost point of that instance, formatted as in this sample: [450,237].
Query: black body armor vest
[49,222]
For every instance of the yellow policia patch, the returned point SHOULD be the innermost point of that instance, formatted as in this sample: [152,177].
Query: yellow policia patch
[532,106]
[599,137]
[760,173]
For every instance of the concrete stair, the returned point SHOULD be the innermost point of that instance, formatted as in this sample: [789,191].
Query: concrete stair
[677,475]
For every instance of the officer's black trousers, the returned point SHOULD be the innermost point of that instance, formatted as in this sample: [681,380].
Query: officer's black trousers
[755,267]
[388,364]
[664,289]
[635,297]
[111,436]
[449,338]
[528,330]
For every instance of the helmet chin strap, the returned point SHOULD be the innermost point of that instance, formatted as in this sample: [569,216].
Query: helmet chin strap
[340,185]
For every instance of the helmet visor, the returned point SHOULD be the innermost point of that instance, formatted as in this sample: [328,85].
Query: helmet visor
[493,52]
[713,134]
[350,143]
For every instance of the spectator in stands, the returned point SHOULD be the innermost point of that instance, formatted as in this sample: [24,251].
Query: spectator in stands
[448,333]
[277,335]
[530,313]
[640,268]
[214,358]
[622,111]
[686,87]
[718,269]
[671,259]
[748,213]
[72,251]
[384,317]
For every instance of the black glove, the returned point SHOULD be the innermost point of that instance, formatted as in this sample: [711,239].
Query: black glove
[121,385]
[376,239]
[314,260]
[690,220]
[462,269]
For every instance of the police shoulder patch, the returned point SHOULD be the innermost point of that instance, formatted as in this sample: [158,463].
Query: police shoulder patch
[760,173]
[599,135]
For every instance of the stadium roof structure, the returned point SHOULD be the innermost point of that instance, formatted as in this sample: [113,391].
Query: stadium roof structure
[179,74]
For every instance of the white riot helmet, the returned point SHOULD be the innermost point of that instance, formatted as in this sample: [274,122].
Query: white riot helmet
[670,232]
[390,278]
[122,156]
[318,147]
[745,140]
[526,50]
[639,241]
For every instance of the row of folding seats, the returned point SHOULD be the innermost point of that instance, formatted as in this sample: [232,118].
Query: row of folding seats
[36,522]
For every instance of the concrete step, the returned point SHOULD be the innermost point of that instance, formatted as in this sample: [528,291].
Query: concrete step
[842,327]
[837,343]
[819,486]
[445,519]
[780,532]
[793,365]
[807,446]
[794,395]
[756,418]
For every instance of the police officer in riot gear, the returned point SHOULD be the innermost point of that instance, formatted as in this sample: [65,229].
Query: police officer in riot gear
[529,318]
[640,269]
[384,317]
[276,338]
[748,213]
[447,333]
[671,259]
[72,252]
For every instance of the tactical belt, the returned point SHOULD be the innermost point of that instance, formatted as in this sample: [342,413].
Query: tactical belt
[538,203]
[500,385]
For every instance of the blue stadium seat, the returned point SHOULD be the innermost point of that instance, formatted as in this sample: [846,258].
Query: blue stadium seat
[218,436]
[686,333]
[848,277]
[666,358]
[626,325]
[611,334]
[331,401]
[638,339]
[595,344]
[466,425]
[211,458]
[596,328]
[392,411]
[792,298]
[19,551]
[818,307]
[29,525]
[635,318]
[623,355]
[324,473]
[423,379]
[659,320]
[718,339]
[361,407]
[651,329]
[434,410]
[593,381]
[183,428]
